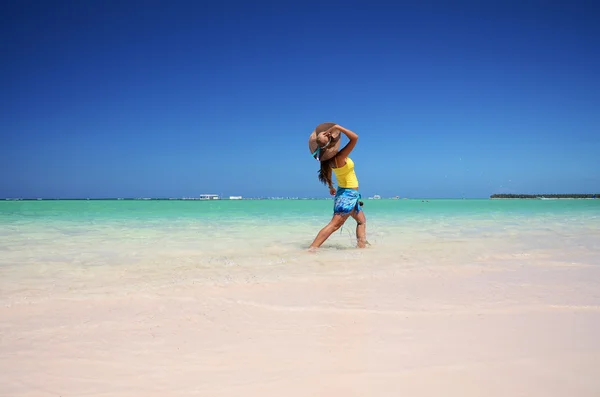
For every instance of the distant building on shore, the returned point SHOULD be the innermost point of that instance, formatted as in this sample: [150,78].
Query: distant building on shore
[209,197]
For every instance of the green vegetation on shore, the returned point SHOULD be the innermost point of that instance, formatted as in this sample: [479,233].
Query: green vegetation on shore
[544,196]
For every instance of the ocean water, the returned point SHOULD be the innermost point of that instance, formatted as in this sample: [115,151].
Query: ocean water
[55,248]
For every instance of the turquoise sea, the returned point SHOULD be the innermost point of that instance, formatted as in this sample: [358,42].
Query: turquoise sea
[78,246]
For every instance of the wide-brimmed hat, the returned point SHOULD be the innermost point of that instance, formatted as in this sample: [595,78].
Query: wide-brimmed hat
[321,147]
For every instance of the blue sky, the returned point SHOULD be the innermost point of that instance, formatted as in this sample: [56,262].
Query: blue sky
[173,99]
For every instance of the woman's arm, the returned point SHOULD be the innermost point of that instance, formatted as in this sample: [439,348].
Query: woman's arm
[330,182]
[353,138]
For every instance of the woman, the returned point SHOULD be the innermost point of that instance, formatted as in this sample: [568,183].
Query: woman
[324,144]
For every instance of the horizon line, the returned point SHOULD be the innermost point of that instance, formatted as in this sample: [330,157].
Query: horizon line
[238,198]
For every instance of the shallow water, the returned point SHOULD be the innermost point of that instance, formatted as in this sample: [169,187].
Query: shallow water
[76,247]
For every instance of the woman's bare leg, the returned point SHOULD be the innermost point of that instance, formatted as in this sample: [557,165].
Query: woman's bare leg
[361,228]
[336,222]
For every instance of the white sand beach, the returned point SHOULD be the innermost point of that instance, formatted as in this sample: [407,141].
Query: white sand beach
[514,327]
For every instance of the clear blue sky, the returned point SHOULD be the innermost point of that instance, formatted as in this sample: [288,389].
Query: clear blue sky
[171,99]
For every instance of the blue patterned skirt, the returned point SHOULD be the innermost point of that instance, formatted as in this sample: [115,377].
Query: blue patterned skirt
[345,201]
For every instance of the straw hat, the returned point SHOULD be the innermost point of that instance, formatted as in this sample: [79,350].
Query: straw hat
[321,147]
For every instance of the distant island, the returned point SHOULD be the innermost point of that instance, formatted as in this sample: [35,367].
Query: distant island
[544,196]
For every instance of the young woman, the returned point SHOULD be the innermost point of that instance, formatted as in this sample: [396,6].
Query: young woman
[324,144]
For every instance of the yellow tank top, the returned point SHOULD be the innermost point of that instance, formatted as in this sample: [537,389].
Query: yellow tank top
[346,177]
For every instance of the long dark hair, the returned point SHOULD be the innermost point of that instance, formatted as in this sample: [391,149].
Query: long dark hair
[325,173]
